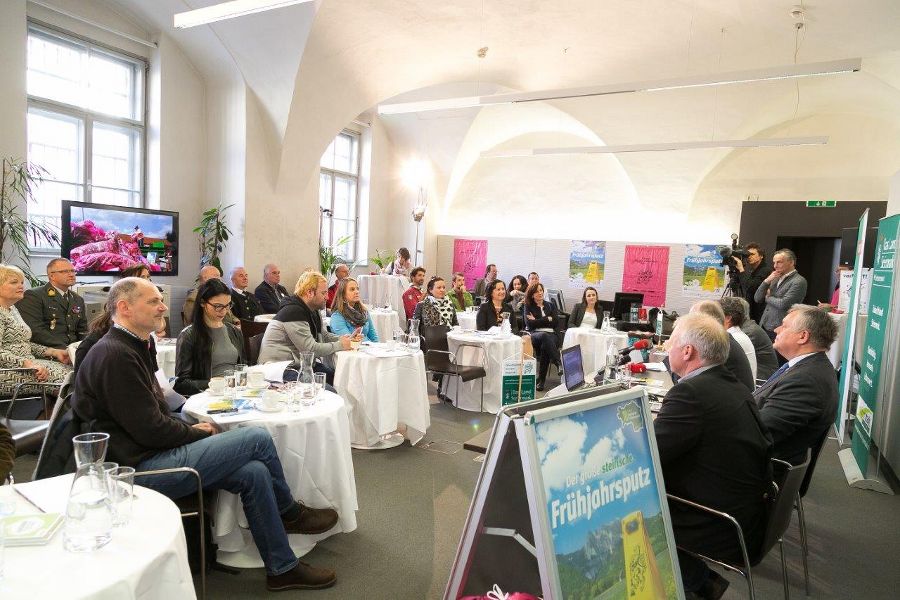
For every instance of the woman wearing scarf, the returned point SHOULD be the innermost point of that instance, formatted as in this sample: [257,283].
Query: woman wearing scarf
[348,313]
[436,308]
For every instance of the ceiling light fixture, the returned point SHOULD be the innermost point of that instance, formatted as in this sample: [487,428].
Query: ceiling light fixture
[228,10]
[849,65]
[661,147]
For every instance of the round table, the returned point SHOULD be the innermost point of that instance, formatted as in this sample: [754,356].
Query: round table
[266,318]
[385,322]
[466,320]
[496,348]
[146,559]
[594,346]
[314,447]
[383,389]
[381,290]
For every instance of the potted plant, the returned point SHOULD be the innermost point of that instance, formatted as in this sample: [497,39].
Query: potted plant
[381,261]
[17,187]
[329,258]
[213,234]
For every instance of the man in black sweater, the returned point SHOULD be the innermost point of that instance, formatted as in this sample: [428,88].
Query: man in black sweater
[713,450]
[752,275]
[116,392]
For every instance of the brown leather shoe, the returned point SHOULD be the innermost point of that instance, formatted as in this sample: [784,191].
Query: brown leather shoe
[301,577]
[311,520]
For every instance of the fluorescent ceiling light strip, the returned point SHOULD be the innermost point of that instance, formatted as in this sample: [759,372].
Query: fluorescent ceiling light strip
[228,10]
[662,147]
[849,65]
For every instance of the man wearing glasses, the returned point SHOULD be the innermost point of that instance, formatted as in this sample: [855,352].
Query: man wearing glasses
[55,314]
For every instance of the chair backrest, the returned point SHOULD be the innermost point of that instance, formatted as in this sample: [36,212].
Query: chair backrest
[248,330]
[783,507]
[816,450]
[254,343]
[56,455]
[434,337]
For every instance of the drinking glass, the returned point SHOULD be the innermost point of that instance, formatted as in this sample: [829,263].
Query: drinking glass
[320,383]
[90,448]
[230,380]
[121,493]
[240,375]
[7,498]
[89,513]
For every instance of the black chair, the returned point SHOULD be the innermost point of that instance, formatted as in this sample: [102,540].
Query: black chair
[779,518]
[804,546]
[439,359]
[254,344]
[28,434]
[248,330]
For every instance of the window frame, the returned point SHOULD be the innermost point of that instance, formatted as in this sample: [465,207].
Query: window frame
[89,117]
[355,177]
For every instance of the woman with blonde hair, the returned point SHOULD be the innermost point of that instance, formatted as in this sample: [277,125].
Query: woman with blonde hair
[349,314]
[37,363]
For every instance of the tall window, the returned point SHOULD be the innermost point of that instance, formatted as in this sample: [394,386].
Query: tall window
[85,123]
[339,194]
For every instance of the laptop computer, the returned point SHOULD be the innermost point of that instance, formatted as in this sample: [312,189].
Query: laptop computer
[573,369]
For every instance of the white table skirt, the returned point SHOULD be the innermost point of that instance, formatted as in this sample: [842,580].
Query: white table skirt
[594,346]
[466,320]
[497,348]
[314,447]
[145,560]
[376,290]
[382,392]
[385,322]
[165,356]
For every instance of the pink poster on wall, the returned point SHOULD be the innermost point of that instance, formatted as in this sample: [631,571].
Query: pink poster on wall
[470,259]
[646,271]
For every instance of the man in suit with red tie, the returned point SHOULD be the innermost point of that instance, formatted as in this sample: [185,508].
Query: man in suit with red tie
[798,403]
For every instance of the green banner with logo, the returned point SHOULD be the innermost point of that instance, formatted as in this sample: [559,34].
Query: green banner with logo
[518,380]
[876,329]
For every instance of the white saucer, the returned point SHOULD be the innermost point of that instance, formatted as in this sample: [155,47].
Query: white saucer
[261,386]
[213,394]
[258,405]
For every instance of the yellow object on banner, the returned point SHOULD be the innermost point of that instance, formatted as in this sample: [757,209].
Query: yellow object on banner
[593,272]
[711,281]
[642,579]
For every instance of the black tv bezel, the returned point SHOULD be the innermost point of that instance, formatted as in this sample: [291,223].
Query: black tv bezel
[65,245]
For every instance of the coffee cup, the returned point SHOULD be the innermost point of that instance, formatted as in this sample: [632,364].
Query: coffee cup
[255,378]
[217,385]
[270,399]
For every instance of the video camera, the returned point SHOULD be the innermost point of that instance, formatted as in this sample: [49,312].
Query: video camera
[729,253]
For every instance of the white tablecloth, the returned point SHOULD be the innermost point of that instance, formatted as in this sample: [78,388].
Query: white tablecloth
[594,346]
[381,392]
[466,320]
[375,290]
[314,447]
[264,318]
[497,348]
[385,322]
[146,559]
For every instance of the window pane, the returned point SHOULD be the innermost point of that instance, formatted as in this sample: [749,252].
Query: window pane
[55,143]
[56,69]
[344,198]
[46,210]
[111,88]
[343,146]
[342,229]
[325,190]
[102,195]
[328,158]
[115,157]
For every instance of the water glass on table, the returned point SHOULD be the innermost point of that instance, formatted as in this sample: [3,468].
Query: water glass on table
[90,448]
[7,497]
[121,494]
[240,375]
[319,384]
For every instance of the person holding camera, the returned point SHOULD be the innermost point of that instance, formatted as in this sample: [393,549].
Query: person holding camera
[752,275]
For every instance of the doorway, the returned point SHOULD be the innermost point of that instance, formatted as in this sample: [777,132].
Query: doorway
[817,259]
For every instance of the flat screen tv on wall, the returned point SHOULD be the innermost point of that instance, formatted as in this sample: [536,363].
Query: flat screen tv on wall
[101,239]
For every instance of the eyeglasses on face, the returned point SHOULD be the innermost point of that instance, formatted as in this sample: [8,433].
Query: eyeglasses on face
[219,307]
[66,271]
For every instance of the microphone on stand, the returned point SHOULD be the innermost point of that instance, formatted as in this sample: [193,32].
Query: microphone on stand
[625,352]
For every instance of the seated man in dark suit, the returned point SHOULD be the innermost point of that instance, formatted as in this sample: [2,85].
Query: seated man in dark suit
[736,360]
[116,391]
[244,305]
[713,450]
[798,403]
[270,292]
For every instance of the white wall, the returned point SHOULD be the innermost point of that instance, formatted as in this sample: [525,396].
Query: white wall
[12,74]
[893,206]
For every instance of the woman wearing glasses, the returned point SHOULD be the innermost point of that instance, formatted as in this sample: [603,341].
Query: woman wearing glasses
[210,345]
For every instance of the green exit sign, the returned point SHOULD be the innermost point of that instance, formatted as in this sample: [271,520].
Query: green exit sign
[821,203]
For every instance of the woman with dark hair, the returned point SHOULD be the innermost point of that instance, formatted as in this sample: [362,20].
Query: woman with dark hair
[138,270]
[489,313]
[209,345]
[541,322]
[435,308]
[349,314]
[401,265]
[516,292]
[587,314]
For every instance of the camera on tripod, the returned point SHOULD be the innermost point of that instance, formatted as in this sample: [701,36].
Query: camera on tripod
[729,254]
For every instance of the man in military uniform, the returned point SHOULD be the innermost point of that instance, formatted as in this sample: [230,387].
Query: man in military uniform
[244,304]
[55,314]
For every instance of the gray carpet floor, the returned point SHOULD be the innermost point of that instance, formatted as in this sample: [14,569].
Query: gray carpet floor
[413,504]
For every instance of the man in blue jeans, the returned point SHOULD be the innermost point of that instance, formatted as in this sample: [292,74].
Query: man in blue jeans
[116,392]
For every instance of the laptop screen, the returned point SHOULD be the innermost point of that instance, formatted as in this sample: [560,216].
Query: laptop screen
[573,371]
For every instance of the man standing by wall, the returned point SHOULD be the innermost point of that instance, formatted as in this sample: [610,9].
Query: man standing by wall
[55,313]
[783,288]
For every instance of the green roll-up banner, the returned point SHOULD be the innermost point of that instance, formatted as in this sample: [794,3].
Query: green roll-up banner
[847,355]
[876,329]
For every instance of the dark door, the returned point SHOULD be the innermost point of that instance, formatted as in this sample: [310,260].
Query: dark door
[817,259]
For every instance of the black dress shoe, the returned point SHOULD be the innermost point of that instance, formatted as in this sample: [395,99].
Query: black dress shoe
[301,577]
[540,385]
[714,587]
